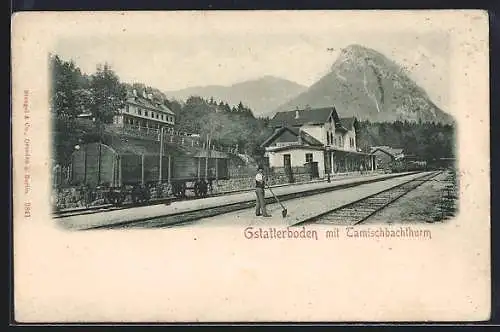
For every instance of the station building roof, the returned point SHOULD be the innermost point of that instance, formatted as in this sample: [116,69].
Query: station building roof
[313,116]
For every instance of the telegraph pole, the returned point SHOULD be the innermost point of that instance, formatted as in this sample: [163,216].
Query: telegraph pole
[161,155]
[206,164]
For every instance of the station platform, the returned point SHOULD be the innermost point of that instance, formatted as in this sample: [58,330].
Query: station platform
[303,208]
[114,217]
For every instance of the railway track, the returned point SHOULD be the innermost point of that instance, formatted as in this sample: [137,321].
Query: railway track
[358,211]
[193,215]
[167,201]
[110,207]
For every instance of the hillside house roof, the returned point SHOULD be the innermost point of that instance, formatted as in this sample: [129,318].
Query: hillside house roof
[314,116]
[305,137]
[149,103]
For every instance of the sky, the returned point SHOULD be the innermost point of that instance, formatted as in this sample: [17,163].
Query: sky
[177,58]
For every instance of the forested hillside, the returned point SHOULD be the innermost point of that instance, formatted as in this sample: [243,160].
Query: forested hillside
[102,94]
[426,140]
[262,95]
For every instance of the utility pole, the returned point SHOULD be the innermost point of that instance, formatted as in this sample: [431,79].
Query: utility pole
[161,155]
[206,164]
[99,164]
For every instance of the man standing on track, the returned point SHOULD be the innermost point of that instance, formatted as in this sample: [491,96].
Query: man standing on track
[260,184]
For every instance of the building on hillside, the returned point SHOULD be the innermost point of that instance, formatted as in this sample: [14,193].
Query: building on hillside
[385,156]
[142,112]
[315,136]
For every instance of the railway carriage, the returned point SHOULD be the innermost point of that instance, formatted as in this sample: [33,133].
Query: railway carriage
[120,167]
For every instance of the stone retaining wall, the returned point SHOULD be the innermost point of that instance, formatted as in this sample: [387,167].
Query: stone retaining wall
[249,182]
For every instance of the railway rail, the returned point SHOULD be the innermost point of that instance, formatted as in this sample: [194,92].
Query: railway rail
[123,206]
[358,211]
[111,207]
[192,215]
[167,201]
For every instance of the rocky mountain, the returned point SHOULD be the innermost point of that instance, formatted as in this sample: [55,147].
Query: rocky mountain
[366,84]
[262,95]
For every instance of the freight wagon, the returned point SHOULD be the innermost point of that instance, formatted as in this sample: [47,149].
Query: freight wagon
[124,167]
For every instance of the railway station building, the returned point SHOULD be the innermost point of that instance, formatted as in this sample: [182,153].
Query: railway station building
[316,138]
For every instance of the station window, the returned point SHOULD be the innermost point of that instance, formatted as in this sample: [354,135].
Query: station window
[309,157]
[327,138]
[139,111]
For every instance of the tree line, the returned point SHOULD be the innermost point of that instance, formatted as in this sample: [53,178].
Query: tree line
[425,140]
[72,93]
[102,95]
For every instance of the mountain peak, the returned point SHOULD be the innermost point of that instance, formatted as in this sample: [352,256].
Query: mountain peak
[367,84]
[355,48]
[273,79]
[357,54]
[262,94]
[270,77]
[359,50]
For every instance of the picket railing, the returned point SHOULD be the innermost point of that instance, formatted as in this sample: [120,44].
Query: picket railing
[171,136]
